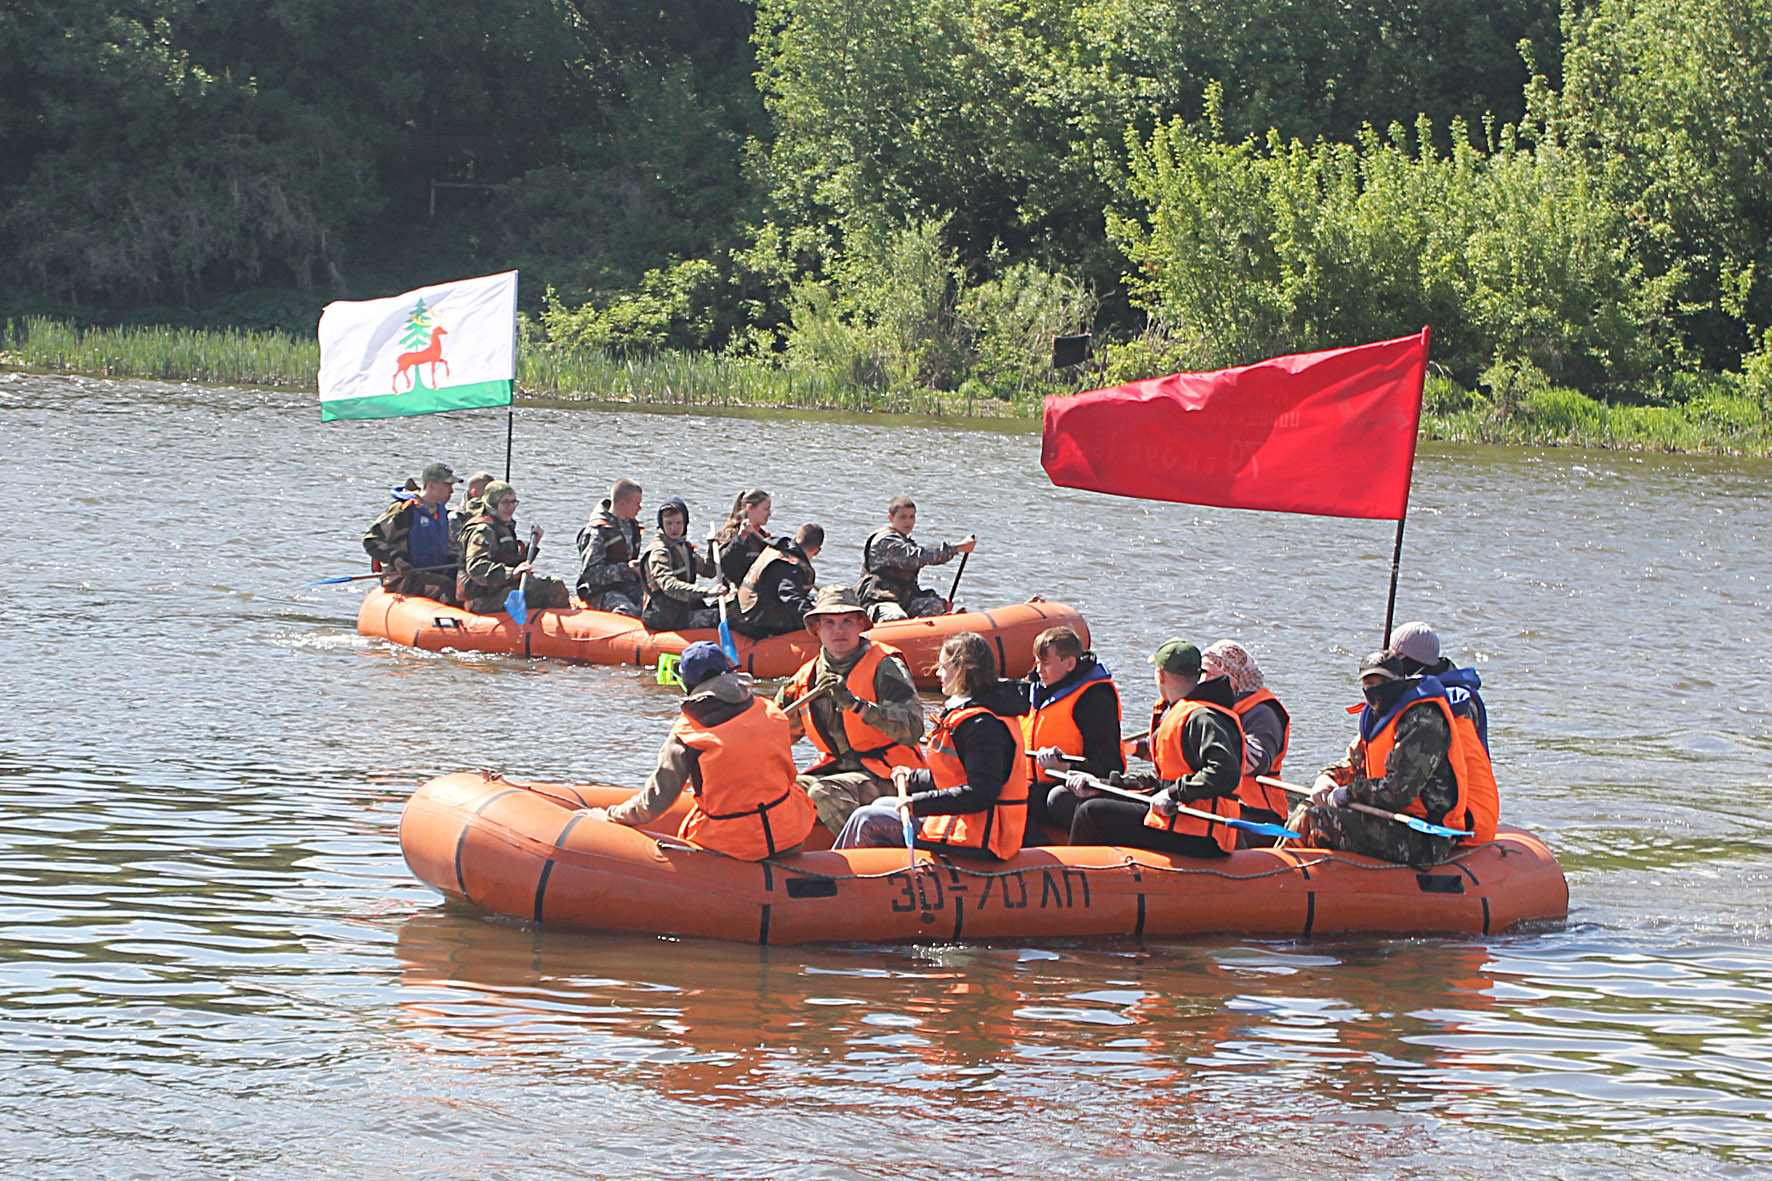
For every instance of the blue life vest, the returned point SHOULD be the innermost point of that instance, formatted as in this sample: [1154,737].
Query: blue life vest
[1371,721]
[428,542]
[1037,702]
[1461,690]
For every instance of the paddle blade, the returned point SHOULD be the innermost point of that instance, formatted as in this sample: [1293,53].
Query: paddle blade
[1432,830]
[667,670]
[330,581]
[727,644]
[1278,831]
[518,606]
[910,835]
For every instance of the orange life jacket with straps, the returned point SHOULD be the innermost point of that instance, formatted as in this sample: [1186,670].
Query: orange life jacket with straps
[1054,723]
[747,804]
[1253,794]
[1172,763]
[999,828]
[877,752]
[1478,804]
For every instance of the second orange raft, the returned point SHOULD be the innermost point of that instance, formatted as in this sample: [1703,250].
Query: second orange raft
[601,637]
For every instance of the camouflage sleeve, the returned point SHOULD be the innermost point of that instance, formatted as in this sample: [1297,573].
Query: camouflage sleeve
[895,551]
[594,568]
[386,539]
[1415,762]
[1348,768]
[899,713]
[661,577]
[479,560]
[676,763]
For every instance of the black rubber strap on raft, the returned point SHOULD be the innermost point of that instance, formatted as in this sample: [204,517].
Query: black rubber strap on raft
[462,840]
[763,927]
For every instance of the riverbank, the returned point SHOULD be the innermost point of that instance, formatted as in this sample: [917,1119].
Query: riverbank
[1712,421]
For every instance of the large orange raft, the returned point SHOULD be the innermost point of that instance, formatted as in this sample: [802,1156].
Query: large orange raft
[601,637]
[519,850]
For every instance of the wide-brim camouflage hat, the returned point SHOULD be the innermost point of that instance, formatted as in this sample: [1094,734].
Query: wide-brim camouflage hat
[834,600]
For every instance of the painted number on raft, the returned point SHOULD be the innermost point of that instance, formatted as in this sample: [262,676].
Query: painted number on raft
[1055,890]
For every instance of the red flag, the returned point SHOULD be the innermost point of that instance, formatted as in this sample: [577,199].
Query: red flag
[1330,433]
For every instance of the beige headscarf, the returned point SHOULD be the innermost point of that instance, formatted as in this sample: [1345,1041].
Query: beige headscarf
[1227,658]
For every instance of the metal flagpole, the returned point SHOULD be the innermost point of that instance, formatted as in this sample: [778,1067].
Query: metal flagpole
[511,406]
[511,426]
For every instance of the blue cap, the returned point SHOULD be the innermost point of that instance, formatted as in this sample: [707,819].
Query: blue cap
[701,660]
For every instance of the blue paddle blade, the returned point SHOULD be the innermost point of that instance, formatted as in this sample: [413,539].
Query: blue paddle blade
[1265,830]
[727,644]
[518,606]
[910,834]
[1432,830]
[330,581]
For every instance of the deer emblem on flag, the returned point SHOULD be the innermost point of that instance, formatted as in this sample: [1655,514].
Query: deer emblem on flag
[421,328]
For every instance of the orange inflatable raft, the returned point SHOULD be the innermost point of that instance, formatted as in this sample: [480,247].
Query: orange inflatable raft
[601,637]
[521,850]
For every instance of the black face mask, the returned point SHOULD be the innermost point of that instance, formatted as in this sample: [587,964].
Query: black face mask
[1381,696]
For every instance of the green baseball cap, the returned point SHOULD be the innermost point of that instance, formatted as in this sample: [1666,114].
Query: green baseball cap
[438,471]
[1178,657]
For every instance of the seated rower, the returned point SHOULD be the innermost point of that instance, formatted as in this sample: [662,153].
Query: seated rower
[1267,728]
[1410,756]
[609,553]
[411,539]
[669,566]
[470,506]
[866,723]
[743,536]
[1419,646]
[776,592]
[890,561]
[973,794]
[732,751]
[1073,709]
[494,561]
[1197,746]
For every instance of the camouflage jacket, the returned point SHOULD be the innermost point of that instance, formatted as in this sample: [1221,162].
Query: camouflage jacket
[388,539]
[669,569]
[490,552]
[606,545]
[1419,765]
[890,562]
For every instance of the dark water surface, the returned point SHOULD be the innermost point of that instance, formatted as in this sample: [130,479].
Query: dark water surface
[214,963]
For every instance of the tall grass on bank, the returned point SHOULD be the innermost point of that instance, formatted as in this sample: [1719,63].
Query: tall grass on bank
[1712,418]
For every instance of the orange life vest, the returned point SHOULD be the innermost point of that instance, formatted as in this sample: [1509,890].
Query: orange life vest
[1253,794]
[1478,804]
[878,752]
[1054,723]
[747,804]
[999,828]
[1172,763]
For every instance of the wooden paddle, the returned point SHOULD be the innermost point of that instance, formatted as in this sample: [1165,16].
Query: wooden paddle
[1414,822]
[791,706]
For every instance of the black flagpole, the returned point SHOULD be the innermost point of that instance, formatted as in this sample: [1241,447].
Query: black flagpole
[511,426]
[1390,607]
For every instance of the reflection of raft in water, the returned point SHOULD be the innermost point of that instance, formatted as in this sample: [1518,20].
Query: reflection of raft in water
[601,637]
[517,849]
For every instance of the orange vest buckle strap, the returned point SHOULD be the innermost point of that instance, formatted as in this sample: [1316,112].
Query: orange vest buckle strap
[747,804]
[1172,763]
[1477,806]
[1258,795]
[999,828]
[878,752]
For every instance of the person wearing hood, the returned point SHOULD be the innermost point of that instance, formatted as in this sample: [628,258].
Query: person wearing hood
[1073,709]
[776,592]
[972,793]
[470,505]
[1411,757]
[494,559]
[609,553]
[1419,646]
[732,752]
[1196,743]
[1267,729]
[412,537]
[669,566]
[866,719]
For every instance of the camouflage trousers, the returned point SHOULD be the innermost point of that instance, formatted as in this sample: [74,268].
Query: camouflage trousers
[838,794]
[616,601]
[542,592]
[436,584]
[1329,827]
[920,607]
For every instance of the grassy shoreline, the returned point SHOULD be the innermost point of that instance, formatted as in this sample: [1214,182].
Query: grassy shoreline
[1710,423]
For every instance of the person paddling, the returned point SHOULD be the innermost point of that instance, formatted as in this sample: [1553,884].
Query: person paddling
[1073,710]
[412,539]
[890,562]
[731,751]
[494,559]
[1267,728]
[743,536]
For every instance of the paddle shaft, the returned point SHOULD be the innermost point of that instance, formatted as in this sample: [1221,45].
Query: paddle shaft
[791,706]
[1368,809]
[385,574]
[958,575]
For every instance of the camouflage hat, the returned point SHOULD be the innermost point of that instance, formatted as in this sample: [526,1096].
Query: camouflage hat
[439,471]
[834,600]
[1177,657]
[493,493]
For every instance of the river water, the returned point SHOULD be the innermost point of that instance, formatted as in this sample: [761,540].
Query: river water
[213,962]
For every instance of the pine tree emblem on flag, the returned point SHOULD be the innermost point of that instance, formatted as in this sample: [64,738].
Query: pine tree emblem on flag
[448,347]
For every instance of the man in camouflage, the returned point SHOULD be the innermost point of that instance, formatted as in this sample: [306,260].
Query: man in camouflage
[412,536]
[1419,766]
[470,506]
[890,561]
[839,784]
[494,560]
[670,565]
[609,553]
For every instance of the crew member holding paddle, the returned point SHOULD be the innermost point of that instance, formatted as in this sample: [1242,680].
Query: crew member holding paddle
[1411,757]
[891,560]
[494,559]
[410,542]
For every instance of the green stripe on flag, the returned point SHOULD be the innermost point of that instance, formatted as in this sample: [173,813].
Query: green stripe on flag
[420,400]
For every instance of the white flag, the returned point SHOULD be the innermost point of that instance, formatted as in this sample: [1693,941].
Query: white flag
[448,347]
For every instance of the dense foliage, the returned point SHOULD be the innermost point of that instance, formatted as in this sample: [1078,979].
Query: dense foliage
[903,195]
